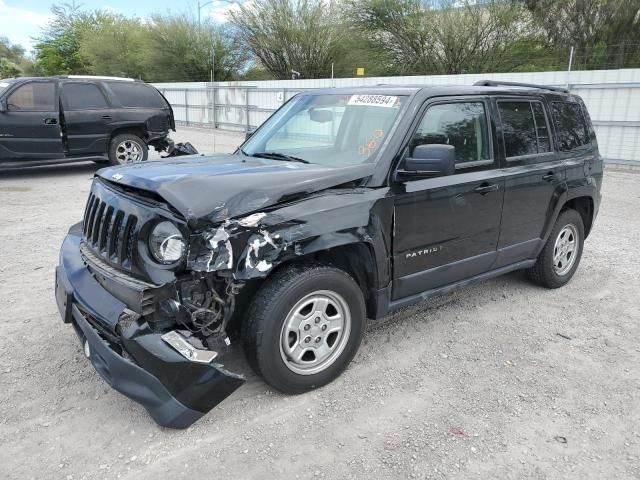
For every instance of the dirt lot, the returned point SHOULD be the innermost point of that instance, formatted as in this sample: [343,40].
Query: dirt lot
[502,380]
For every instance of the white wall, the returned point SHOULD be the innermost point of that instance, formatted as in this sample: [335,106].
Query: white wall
[612,97]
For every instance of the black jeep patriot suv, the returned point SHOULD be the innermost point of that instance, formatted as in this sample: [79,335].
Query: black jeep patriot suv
[344,205]
[80,118]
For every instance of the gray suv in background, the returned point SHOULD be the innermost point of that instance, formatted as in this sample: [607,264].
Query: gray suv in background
[46,120]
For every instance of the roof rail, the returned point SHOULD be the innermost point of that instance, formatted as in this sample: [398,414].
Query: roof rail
[499,83]
[98,77]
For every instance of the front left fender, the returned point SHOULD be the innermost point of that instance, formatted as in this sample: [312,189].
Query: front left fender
[251,247]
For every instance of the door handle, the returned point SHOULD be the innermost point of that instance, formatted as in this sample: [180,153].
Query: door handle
[106,117]
[486,188]
[50,121]
[549,177]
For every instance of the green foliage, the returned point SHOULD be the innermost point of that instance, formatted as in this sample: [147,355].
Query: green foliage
[459,37]
[288,35]
[166,48]
[256,72]
[13,62]
[113,47]
[604,33]
[268,39]
[58,48]
[177,49]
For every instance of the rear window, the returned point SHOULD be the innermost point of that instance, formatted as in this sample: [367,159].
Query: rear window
[570,125]
[140,95]
[82,96]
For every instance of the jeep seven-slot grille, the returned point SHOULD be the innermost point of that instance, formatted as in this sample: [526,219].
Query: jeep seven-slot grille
[109,232]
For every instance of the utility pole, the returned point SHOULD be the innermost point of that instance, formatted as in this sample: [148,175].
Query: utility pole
[570,63]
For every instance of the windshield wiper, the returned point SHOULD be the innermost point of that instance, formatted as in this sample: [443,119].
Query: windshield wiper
[279,156]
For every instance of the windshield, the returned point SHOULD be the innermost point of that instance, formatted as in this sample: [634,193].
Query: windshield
[329,129]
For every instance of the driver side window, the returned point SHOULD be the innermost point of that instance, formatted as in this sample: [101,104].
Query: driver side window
[462,125]
[33,97]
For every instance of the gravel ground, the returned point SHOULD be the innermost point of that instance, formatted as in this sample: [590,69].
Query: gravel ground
[501,380]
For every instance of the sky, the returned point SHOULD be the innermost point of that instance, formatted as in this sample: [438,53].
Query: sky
[21,20]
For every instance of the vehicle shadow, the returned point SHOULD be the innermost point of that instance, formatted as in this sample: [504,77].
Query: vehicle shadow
[51,170]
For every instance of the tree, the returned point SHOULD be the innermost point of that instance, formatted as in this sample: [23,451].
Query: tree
[604,33]
[456,37]
[13,62]
[58,48]
[114,46]
[290,35]
[178,49]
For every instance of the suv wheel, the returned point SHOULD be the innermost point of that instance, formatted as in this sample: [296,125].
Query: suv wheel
[304,326]
[561,255]
[127,148]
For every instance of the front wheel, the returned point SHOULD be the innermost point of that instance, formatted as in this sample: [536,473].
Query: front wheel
[561,255]
[127,148]
[304,326]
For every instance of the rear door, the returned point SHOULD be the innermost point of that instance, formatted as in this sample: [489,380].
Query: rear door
[446,228]
[87,118]
[30,128]
[534,176]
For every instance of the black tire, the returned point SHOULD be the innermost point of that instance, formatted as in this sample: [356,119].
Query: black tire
[544,272]
[118,140]
[265,319]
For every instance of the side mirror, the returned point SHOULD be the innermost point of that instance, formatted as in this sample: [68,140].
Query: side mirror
[433,160]
[248,134]
[320,115]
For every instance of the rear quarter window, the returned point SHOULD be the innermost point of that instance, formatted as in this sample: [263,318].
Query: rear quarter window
[133,94]
[571,125]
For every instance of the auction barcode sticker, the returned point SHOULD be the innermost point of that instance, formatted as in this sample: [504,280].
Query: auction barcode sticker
[386,101]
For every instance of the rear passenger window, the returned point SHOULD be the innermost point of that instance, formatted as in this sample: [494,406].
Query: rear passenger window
[133,94]
[570,125]
[542,127]
[524,128]
[461,124]
[82,96]
[34,97]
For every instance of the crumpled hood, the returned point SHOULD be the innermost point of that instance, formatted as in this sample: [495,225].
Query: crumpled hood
[218,187]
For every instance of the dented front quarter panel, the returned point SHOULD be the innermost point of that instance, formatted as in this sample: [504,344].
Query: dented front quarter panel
[250,247]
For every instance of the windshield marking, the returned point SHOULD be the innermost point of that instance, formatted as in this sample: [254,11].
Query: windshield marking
[386,101]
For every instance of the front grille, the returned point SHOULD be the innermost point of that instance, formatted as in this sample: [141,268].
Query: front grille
[142,301]
[110,232]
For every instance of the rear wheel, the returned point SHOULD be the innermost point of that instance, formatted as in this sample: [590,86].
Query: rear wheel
[561,255]
[127,148]
[304,326]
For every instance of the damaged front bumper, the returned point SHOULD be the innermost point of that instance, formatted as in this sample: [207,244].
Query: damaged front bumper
[176,390]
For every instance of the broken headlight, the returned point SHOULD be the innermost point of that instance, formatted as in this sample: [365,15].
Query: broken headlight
[166,243]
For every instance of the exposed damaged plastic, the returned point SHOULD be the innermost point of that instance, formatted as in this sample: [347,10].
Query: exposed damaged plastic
[188,351]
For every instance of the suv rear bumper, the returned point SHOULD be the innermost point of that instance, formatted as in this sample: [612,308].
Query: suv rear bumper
[136,362]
